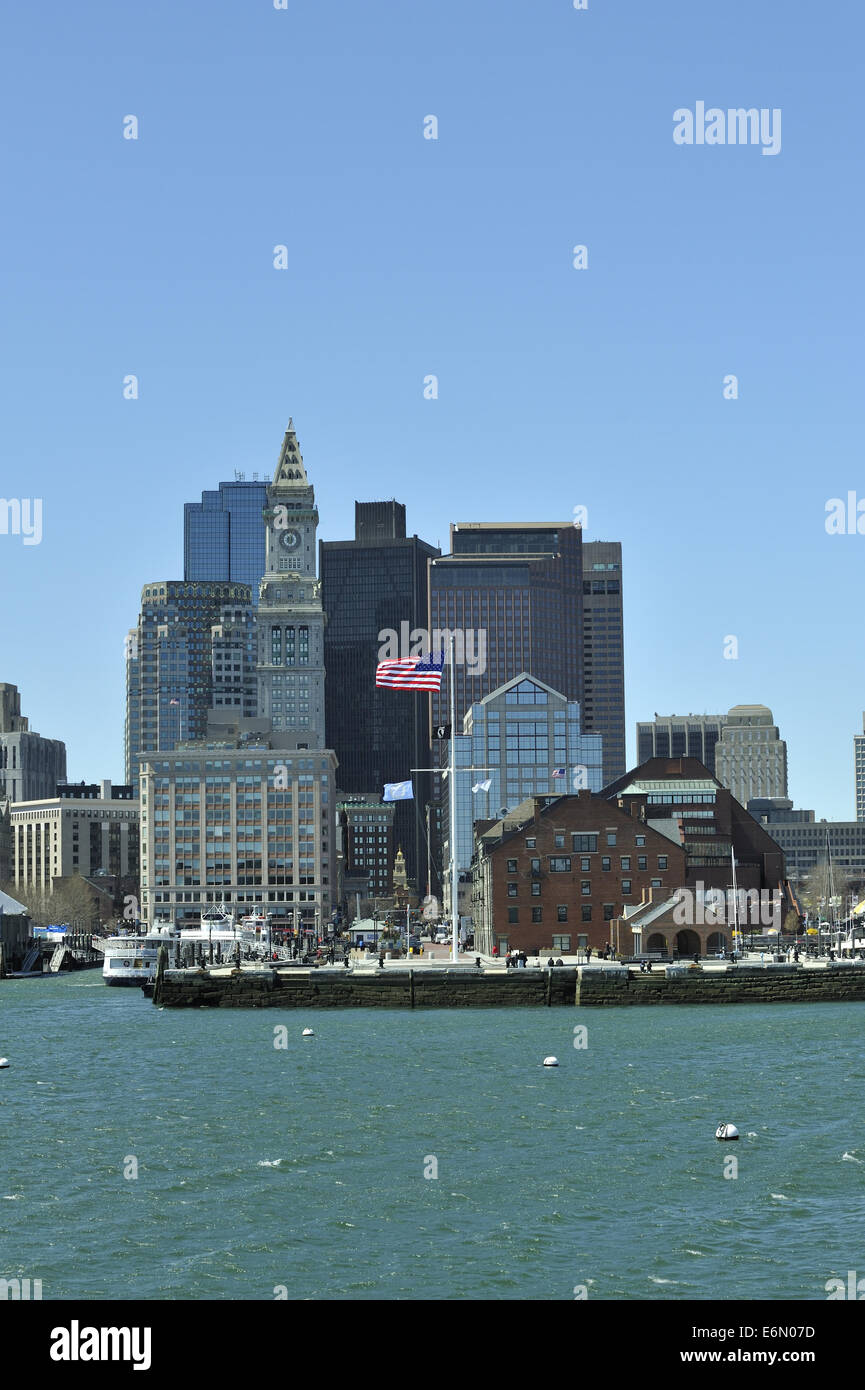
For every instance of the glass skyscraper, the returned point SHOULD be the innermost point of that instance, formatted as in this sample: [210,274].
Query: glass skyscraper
[223,535]
[375,583]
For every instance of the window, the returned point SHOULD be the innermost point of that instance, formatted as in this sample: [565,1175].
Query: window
[582,942]
[537,914]
[536,866]
[626,887]
[626,862]
[656,883]
[562,912]
[611,837]
[642,861]
[586,912]
[662,861]
[536,890]
[586,888]
[584,844]
[585,866]
[512,866]
[530,843]
[609,911]
[560,839]
[513,914]
[562,943]
[606,863]
[512,890]
[560,865]
[641,840]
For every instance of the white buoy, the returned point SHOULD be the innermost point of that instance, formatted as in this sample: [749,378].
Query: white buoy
[4,1061]
[551,1061]
[307,1033]
[726,1132]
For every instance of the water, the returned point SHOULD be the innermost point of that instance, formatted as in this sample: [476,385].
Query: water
[263,1170]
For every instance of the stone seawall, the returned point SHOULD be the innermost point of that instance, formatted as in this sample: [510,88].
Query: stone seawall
[462,988]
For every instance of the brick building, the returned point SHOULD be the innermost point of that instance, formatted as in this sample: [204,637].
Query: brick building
[681,799]
[555,872]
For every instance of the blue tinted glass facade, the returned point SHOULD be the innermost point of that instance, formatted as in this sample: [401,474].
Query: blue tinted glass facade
[224,535]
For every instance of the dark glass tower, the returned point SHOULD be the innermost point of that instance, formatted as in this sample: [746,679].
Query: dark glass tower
[532,590]
[374,583]
[223,535]
[603,698]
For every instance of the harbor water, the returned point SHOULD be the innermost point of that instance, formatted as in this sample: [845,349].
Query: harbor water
[427,1155]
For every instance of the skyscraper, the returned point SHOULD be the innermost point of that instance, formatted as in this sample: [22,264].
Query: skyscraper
[170,663]
[223,537]
[245,812]
[30,765]
[750,755]
[603,696]
[548,603]
[371,586]
[521,586]
[680,736]
[290,614]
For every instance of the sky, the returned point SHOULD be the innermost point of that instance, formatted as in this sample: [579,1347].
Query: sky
[408,257]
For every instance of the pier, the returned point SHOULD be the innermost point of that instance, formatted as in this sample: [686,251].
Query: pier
[466,986]
[42,956]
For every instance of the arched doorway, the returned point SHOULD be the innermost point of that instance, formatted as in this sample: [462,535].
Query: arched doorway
[657,942]
[687,942]
[716,942]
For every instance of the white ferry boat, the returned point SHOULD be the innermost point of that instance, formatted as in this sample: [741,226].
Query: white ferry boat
[130,958]
[217,925]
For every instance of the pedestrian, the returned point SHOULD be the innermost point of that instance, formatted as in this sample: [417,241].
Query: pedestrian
[588,954]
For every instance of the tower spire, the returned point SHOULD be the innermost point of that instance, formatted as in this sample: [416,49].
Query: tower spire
[290,468]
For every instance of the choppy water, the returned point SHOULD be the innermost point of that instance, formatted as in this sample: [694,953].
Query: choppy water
[304,1167]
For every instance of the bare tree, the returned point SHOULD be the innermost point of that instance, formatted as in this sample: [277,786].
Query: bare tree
[820,885]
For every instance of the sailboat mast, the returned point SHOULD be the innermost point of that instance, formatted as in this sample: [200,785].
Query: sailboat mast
[735,900]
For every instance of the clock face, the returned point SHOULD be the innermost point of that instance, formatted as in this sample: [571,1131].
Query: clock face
[290,540]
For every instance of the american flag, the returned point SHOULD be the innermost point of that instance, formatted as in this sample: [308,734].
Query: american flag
[410,673]
[558,772]
[174,702]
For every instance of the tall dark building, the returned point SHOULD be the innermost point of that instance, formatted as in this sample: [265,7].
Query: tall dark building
[680,736]
[603,696]
[521,586]
[223,537]
[371,586]
[550,604]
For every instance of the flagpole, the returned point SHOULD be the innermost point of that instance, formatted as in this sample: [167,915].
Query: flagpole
[455,910]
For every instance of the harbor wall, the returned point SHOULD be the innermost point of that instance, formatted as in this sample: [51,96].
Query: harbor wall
[461,988]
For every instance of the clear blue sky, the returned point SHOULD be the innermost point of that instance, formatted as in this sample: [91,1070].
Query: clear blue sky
[409,256]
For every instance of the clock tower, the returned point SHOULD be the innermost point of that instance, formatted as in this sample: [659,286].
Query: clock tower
[290,614]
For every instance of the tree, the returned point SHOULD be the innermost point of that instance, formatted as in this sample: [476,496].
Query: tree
[820,885]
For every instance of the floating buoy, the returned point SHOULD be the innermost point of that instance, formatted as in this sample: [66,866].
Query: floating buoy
[307,1033]
[4,1061]
[551,1061]
[726,1132]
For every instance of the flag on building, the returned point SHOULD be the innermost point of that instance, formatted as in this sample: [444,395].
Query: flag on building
[173,702]
[411,673]
[483,786]
[559,772]
[398,791]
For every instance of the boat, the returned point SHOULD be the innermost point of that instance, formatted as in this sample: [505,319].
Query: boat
[130,957]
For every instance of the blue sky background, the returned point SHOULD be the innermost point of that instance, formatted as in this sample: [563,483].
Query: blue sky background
[557,387]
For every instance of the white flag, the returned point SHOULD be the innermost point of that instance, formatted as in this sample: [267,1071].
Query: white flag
[483,786]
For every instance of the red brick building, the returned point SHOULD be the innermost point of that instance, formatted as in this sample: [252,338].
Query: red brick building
[556,871]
